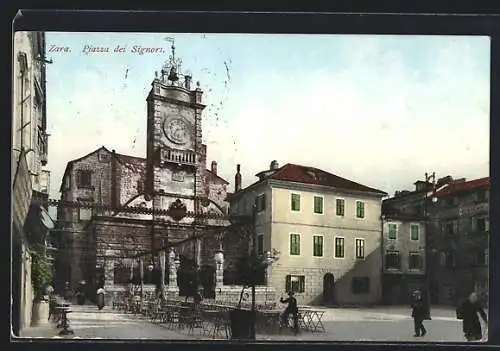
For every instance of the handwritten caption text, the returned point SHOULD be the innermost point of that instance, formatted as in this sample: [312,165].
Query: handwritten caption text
[118,49]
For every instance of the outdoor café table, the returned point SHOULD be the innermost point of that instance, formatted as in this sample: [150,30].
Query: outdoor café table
[218,318]
[312,320]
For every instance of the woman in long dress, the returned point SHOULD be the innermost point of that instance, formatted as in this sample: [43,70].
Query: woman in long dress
[469,313]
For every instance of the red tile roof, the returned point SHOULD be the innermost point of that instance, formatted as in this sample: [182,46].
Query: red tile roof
[310,175]
[471,185]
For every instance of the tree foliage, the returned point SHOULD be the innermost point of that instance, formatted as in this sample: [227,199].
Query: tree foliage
[41,274]
[251,270]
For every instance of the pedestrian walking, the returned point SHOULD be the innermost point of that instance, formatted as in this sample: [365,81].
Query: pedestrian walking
[100,298]
[468,312]
[419,313]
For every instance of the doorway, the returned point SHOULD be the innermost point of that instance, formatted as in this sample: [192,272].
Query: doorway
[328,289]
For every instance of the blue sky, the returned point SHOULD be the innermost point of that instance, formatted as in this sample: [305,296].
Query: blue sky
[379,110]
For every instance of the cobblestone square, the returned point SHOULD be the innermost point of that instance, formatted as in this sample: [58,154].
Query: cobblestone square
[375,324]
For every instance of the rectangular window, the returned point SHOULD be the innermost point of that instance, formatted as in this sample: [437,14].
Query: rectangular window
[295,244]
[317,246]
[414,261]
[360,249]
[260,244]
[295,283]
[260,202]
[318,204]
[392,260]
[84,212]
[295,202]
[360,209]
[67,182]
[414,232]
[340,207]
[360,285]
[104,157]
[339,247]
[393,231]
[84,179]
[140,186]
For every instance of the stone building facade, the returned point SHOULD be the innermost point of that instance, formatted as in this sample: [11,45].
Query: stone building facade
[462,241]
[327,231]
[455,208]
[132,206]
[404,266]
[30,178]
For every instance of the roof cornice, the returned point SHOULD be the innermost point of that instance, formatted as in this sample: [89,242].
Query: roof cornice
[322,188]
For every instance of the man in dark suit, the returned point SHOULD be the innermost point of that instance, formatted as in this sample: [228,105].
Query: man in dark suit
[292,309]
[419,313]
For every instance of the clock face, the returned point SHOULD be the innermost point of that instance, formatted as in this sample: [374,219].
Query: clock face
[176,130]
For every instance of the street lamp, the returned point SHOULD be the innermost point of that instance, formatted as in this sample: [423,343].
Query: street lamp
[434,199]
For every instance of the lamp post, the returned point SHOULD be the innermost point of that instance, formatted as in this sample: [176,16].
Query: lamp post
[428,178]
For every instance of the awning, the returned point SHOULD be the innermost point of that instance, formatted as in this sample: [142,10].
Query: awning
[39,222]
[45,218]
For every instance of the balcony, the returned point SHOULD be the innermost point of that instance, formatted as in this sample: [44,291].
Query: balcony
[181,157]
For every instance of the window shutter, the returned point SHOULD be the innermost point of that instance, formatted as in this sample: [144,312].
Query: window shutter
[302,284]
[78,178]
[288,283]
[263,201]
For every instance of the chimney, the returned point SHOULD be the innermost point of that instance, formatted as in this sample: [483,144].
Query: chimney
[274,165]
[237,179]
[420,185]
[214,167]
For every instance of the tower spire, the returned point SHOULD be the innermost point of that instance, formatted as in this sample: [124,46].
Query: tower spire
[173,63]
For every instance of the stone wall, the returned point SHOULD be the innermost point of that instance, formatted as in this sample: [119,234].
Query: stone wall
[343,293]
[231,294]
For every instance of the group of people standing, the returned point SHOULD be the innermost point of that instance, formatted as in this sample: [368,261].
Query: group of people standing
[468,312]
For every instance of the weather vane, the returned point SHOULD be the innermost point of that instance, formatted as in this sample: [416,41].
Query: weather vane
[174,64]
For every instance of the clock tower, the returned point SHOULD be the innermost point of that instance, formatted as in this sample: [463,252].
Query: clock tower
[175,154]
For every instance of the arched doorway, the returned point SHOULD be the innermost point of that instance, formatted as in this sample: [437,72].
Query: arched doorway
[329,289]
[207,281]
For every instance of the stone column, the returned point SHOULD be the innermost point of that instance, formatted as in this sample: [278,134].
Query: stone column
[173,289]
[109,277]
[269,268]
[109,266]
[219,269]
[162,271]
